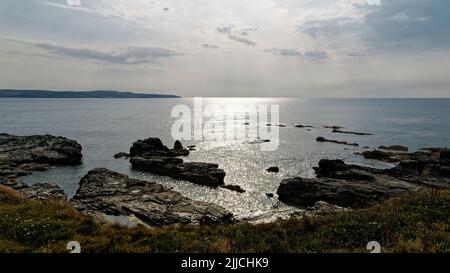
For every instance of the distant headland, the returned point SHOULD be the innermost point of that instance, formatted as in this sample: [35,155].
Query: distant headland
[97,94]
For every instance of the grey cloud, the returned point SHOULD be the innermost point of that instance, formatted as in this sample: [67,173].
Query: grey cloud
[210,46]
[284,51]
[128,55]
[241,39]
[396,25]
[236,34]
[310,55]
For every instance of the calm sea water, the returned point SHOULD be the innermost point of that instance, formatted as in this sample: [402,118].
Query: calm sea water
[108,126]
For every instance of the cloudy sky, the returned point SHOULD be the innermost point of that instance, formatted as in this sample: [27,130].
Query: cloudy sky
[287,48]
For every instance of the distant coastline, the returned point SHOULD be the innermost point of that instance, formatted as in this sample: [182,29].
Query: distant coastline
[97,94]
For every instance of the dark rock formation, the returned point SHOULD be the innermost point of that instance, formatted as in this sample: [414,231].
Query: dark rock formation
[104,193]
[121,155]
[380,155]
[322,139]
[398,148]
[303,126]
[273,170]
[306,192]
[358,186]
[42,191]
[340,131]
[205,174]
[21,155]
[154,147]
[235,188]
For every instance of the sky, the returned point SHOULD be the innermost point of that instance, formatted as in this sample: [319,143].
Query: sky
[229,48]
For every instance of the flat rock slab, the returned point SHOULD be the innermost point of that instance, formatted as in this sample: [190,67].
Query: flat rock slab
[21,155]
[113,194]
[357,186]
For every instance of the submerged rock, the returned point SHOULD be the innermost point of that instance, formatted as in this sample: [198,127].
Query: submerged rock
[322,139]
[398,148]
[340,131]
[104,193]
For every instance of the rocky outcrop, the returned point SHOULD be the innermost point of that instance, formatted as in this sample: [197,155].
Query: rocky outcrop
[150,155]
[205,174]
[398,148]
[22,155]
[322,139]
[41,191]
[306,192]
[154,147]
[104,194]
[121,155]
[357,186]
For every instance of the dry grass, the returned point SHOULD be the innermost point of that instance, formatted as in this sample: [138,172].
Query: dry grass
[413,223]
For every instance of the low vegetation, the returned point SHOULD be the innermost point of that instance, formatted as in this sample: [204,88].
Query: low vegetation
[418,222]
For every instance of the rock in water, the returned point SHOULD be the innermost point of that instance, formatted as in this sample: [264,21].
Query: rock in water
[104,193]
[205,174]
[121,155]
[150,155]
[322,139]
[151,146]
[178,145]
[398,148]
[21,155]
[154,147]
[235,188]
[273,170]
[306,192]
[357,186]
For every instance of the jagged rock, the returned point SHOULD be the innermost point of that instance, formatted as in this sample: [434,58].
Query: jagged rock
[273,170]
[44,191]
[205,174]
[358,186]
[178,145]
[154,147]
[306,192]
[22,155]
[322,208]
[322,139]
[150,155]
[149,146]
[399,148]
[104,193]
[235,188]
[121,155]
[380,155]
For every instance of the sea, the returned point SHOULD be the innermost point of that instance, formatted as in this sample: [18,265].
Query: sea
[105,127]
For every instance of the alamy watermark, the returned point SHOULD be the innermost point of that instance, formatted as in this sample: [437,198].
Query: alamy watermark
[227,123]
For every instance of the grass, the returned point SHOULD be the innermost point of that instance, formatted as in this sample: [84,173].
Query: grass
[412,223]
